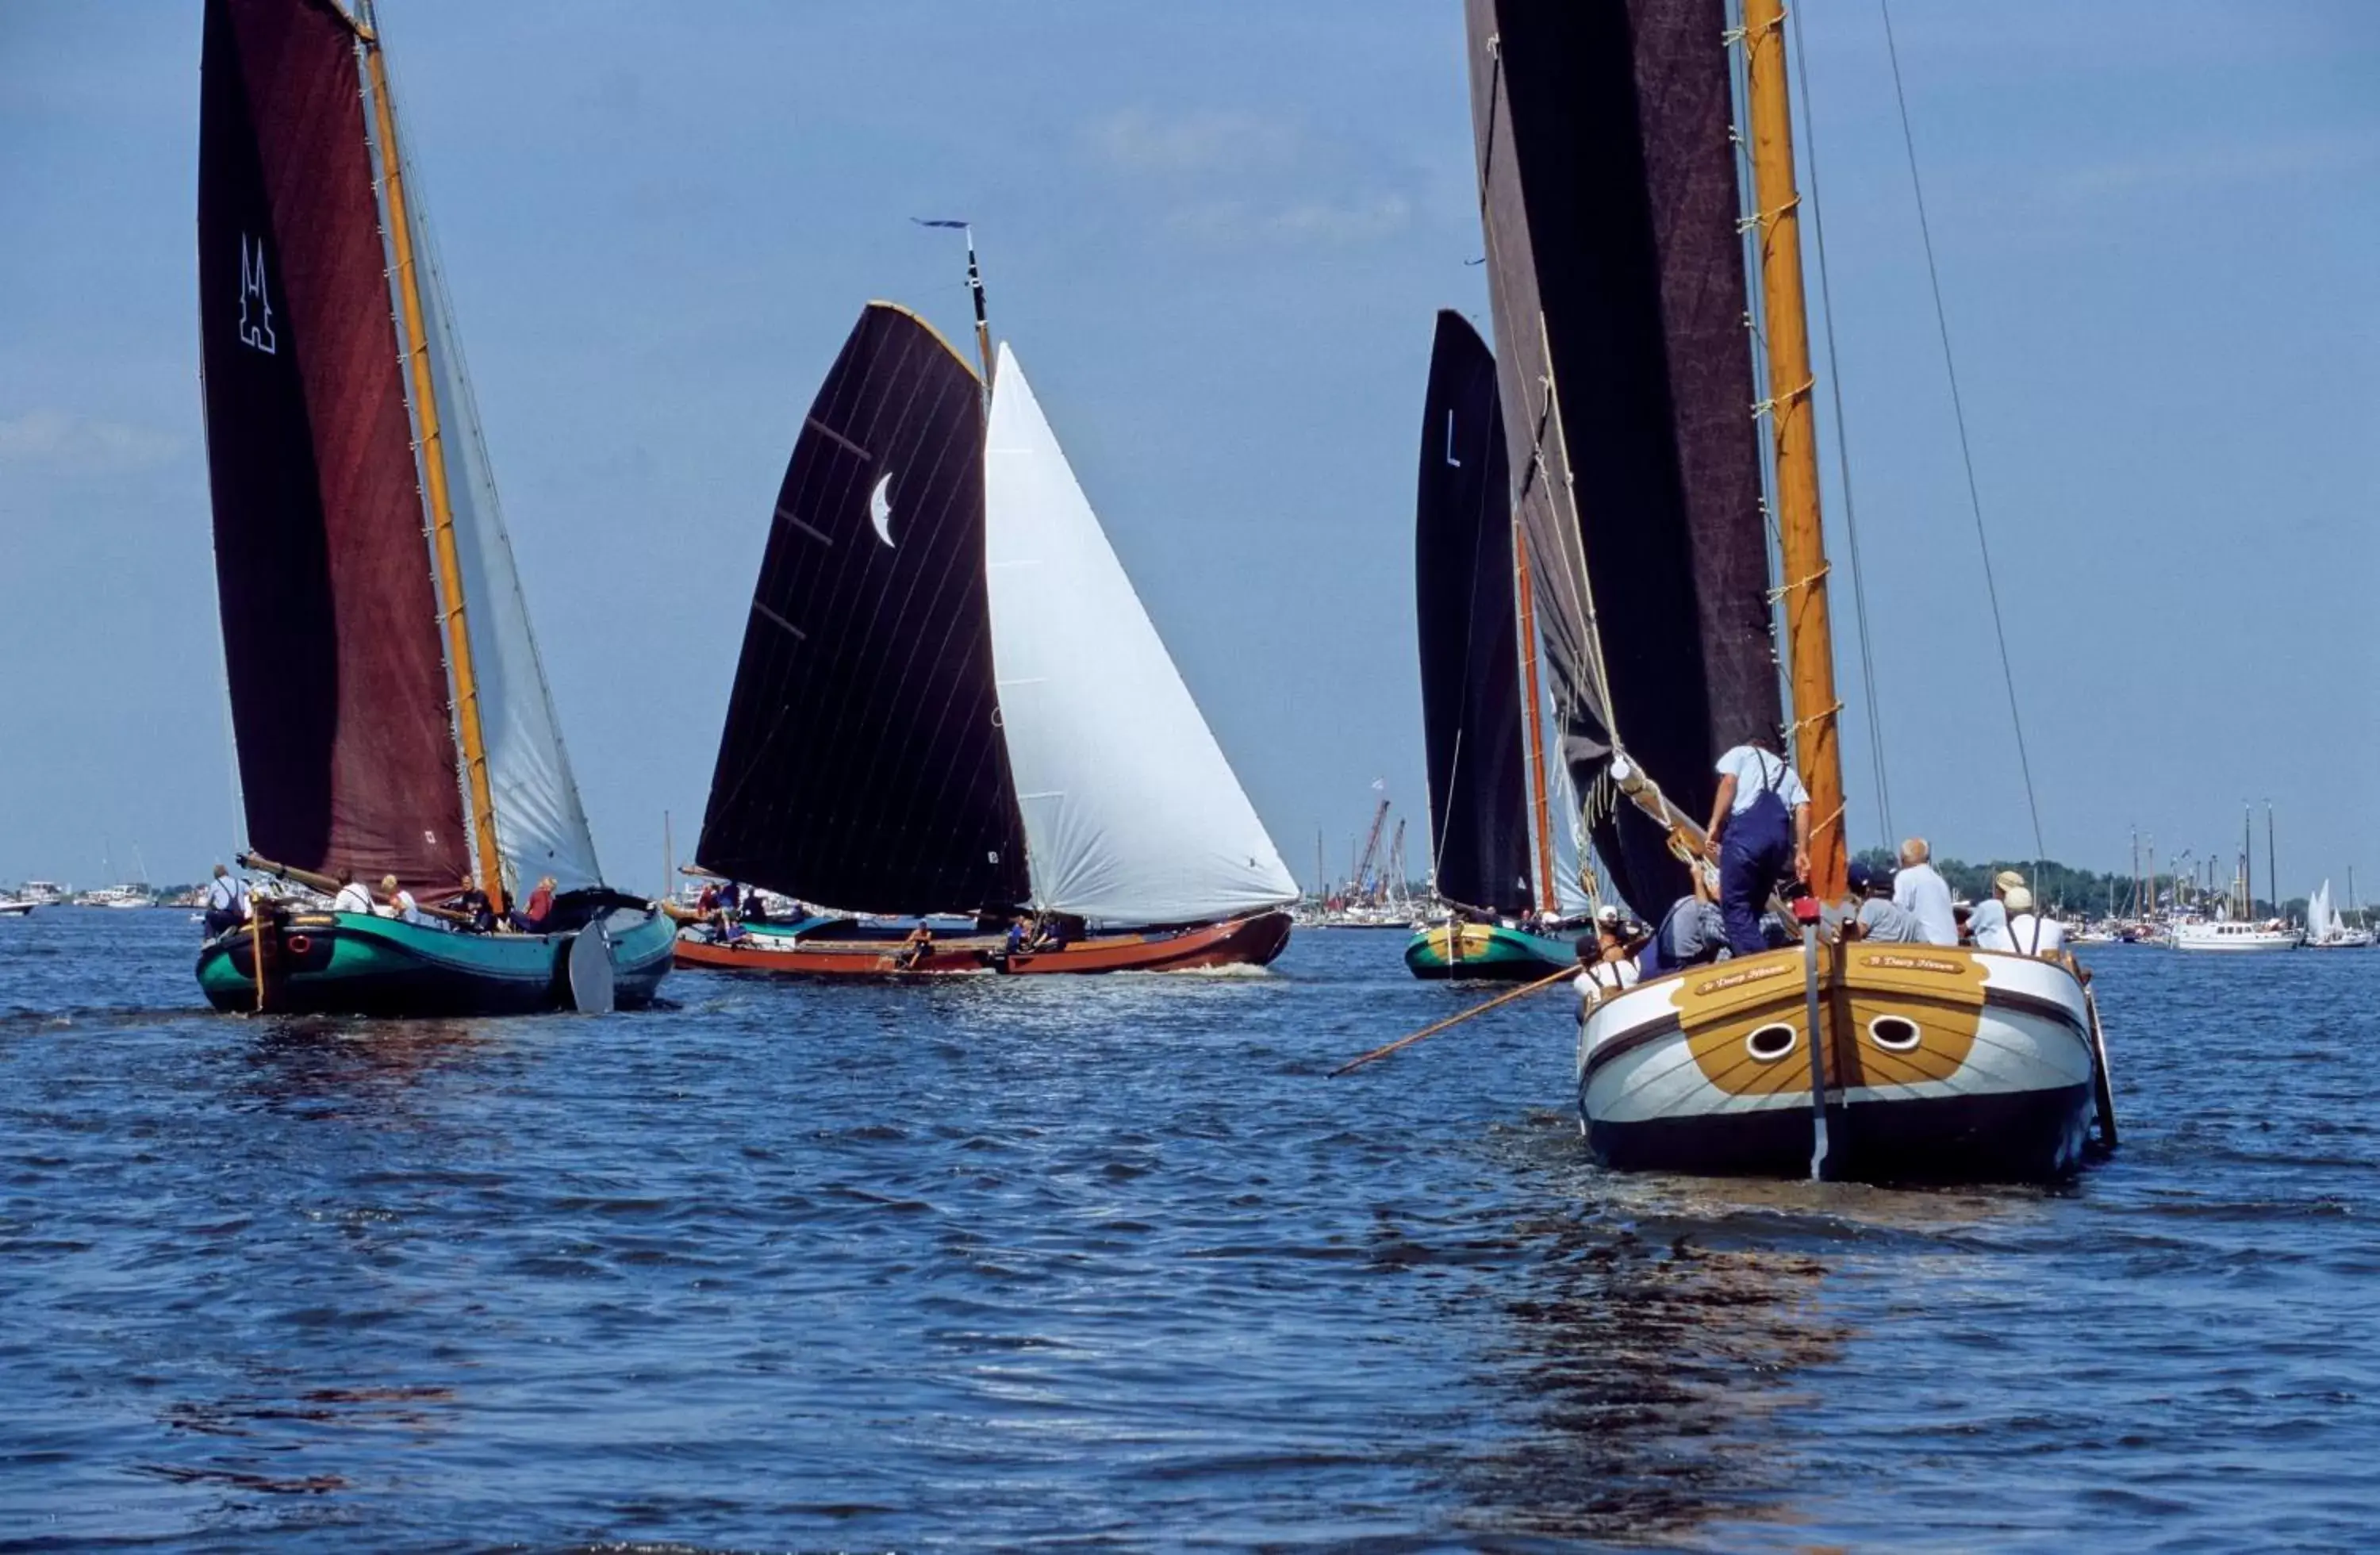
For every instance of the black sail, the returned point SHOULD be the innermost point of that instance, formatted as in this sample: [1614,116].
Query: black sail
[862,765]
[1469,649]
[1608,191]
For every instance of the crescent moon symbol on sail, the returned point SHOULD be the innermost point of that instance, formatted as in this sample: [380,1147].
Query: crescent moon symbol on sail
[880,511]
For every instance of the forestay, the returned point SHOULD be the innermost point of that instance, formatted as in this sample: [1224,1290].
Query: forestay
[1131,815]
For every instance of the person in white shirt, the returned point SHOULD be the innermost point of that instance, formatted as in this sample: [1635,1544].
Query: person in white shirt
[1758,835]
[2029,932]
[401,905]
[226,902]
[1604,965]
[1988,922]
[1919,889]
[352,898]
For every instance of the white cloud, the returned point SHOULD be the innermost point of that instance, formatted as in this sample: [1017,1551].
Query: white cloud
[56,437]
[1213,141]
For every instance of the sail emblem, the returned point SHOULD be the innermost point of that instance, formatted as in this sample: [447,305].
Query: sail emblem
[1450,439]
[255,307]
[880,511]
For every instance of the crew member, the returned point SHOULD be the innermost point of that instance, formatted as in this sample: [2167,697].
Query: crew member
[1693,931]
[1605,963]
[1759,836]
[915,948]
[1871,914]
[228,904]
[539,907]
[401,905]
[473,903]
[352,897]
[1919,889]
[1987,923]
[2030,932]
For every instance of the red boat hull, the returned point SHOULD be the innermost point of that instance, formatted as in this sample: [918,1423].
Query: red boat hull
[1240,942]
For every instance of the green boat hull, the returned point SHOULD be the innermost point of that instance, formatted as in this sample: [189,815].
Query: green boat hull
[356,963]
[1488,952]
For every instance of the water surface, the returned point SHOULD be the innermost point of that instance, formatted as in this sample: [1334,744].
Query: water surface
[1109,1262]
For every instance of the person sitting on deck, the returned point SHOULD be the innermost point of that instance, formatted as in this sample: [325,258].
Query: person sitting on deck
[1606,964]
[401,905]
[228,903]
[1871,914]
[1693,931]
[1019,931]
[1758,835]
[353,898]
[1919,889]
[1987,924]
[530,919]
[473,903]
[915,949]
[2029,931]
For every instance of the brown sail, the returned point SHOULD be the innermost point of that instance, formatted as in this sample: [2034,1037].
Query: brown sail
[330,620]
[1609,196]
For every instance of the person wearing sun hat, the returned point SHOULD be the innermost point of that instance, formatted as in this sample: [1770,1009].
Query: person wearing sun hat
[1988,924]
[2030,932]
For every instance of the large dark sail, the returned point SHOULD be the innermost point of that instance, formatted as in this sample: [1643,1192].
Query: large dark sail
[1608,191]
[330,634]
[1470,651]
[862,765]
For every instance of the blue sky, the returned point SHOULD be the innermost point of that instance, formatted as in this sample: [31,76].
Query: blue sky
[1216,235]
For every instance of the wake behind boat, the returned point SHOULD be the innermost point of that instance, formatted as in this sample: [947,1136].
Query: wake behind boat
[951,702]
[390,711]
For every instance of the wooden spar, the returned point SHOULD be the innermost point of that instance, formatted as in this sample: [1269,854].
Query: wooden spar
[1801,541]
[1544,982]
[1540,808]
[488,862]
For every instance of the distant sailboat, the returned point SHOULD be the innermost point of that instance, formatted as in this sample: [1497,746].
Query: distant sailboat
[1607,156]
[950,701]
[1492,847]
[390,712]
[2326,930]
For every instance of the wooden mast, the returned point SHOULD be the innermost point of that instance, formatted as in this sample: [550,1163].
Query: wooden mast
[488,862]
[1548,900]
[1801,541]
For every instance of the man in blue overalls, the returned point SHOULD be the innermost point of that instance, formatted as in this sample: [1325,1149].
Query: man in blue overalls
[1759,836]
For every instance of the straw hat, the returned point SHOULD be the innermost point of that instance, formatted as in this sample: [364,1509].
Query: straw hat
[2020,900]
[2007,880]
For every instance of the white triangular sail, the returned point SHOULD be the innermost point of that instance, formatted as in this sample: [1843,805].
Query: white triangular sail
[1131,815]
[540,824]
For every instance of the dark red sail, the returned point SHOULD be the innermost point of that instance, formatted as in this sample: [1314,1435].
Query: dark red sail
[1470,647]
[862,765]
[330,620]
[1608,195]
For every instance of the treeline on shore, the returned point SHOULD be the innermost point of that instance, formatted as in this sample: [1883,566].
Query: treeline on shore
[2090,892]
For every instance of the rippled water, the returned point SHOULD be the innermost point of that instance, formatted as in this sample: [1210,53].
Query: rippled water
[1109,1260]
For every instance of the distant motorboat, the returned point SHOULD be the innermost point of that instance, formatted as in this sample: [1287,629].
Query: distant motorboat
[120,896]
[2231,935]
[12,907]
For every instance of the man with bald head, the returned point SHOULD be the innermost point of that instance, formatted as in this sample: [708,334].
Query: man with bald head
[1919,889]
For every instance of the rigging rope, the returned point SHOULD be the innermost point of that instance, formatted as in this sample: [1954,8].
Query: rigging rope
[1843,447]
[1966,452]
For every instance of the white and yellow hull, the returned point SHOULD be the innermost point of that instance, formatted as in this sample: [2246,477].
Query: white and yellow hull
[1942,1065]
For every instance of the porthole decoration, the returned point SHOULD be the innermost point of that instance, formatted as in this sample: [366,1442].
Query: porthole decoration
[1769,1044]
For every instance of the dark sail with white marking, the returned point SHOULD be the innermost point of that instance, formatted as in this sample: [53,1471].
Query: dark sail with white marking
[1608,190]
[339,688]
[862,765]
[1469,631]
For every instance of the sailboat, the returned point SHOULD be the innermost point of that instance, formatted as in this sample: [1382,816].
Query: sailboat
[949,703]
[1492,868]
[391,714]
[1606,148]
[2326,928]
